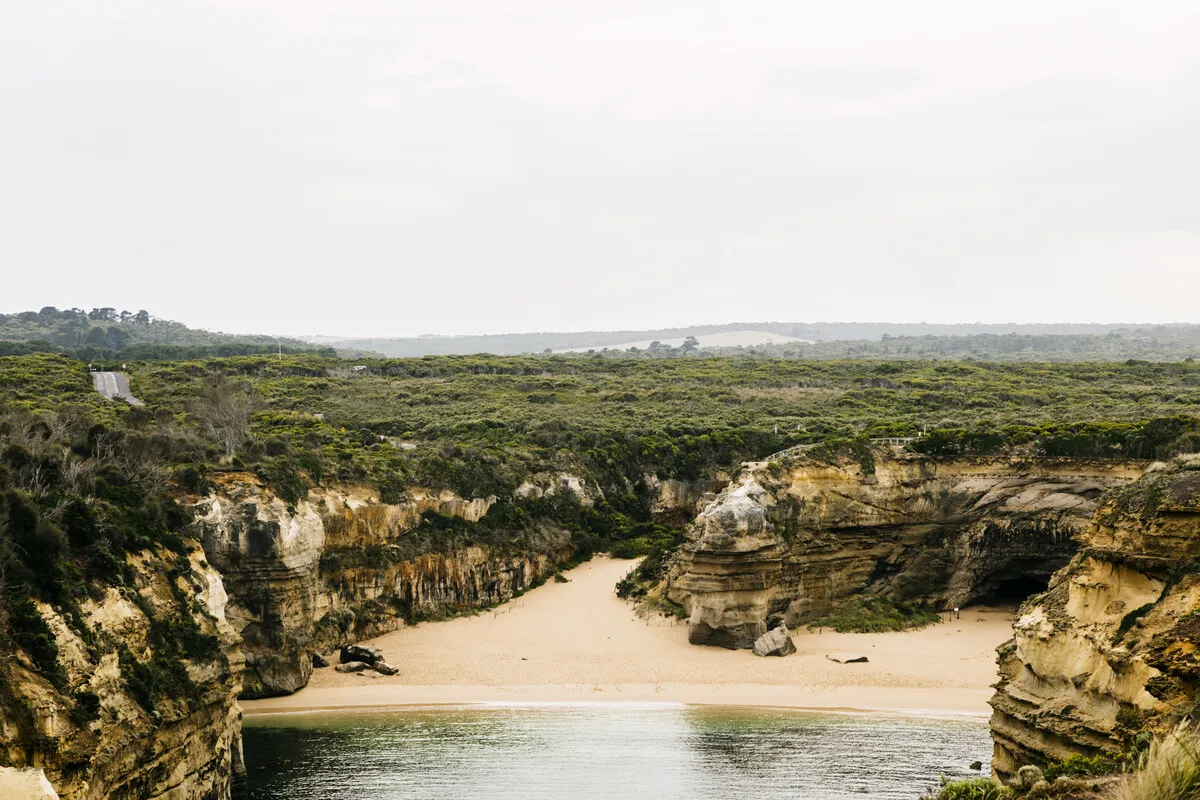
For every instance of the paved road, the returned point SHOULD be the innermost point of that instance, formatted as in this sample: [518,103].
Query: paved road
[113,385]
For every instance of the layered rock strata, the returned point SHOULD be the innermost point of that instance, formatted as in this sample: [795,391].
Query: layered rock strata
[1113,646]
[109,732]
[268,555]
[786,542]
[340,566]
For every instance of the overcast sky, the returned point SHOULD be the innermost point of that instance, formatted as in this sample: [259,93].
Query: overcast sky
[387,167]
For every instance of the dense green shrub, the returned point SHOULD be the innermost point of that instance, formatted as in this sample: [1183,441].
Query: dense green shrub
[1077,765]
[75,499]
[163,676]
[86,708]
[875,615]
[972,789]
[29,631]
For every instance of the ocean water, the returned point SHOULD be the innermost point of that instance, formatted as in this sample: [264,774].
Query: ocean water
[618,751]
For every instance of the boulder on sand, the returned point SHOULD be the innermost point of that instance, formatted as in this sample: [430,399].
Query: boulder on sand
[775,643]
[319,660]
[847,658]
[361,652]
[352,666]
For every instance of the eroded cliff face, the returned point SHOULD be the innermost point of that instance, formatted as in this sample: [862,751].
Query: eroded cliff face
[375,573]
[1112,646]
[677,502]
[785,542]
[134,719]
[268,555]
[340,565]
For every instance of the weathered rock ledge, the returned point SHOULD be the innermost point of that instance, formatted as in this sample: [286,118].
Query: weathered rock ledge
[786,542]
[1113,646]
[340,565]
[94,739]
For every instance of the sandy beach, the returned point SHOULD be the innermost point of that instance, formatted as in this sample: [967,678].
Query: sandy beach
[577,642]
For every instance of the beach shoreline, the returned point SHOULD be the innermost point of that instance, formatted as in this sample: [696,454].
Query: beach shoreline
[965,703]
[577,643]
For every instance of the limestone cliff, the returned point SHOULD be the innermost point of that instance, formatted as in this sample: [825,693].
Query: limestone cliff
[341,565]
[147,705]
[676,502]
[1112,646]
[268,555]
[786,541]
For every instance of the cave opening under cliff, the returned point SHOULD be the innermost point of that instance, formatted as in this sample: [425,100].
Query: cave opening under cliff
[1015,589]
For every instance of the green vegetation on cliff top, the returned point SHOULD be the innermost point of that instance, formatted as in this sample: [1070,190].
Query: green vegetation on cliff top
[85,488]
[484,425]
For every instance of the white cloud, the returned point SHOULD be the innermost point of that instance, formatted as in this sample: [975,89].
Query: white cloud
[465,166]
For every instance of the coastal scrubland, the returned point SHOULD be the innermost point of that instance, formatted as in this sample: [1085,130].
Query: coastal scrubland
[90,484]
[480,425]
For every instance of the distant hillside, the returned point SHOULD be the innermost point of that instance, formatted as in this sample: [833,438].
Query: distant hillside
[742,338]
[1151,343]
[105,332]
[828,340]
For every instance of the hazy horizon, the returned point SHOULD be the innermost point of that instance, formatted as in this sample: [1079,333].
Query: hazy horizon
[740,325]
[391,169]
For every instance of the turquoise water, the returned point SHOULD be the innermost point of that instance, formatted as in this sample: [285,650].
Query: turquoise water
[604,751]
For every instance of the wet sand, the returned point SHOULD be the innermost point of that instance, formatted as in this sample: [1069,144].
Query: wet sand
[577,642]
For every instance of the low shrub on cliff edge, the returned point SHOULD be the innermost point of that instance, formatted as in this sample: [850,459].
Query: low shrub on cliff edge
[1169,771]
[971,789]
[1078,766]
[875,615]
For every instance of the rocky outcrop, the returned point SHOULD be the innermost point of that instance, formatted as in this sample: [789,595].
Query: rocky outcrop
[269,555]
[1113,646]
[340,565]
[775,643]
[676,502]
[785,542]
[360,652]
[136,714]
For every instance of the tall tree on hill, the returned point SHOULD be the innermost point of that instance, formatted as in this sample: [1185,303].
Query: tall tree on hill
[223,412]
